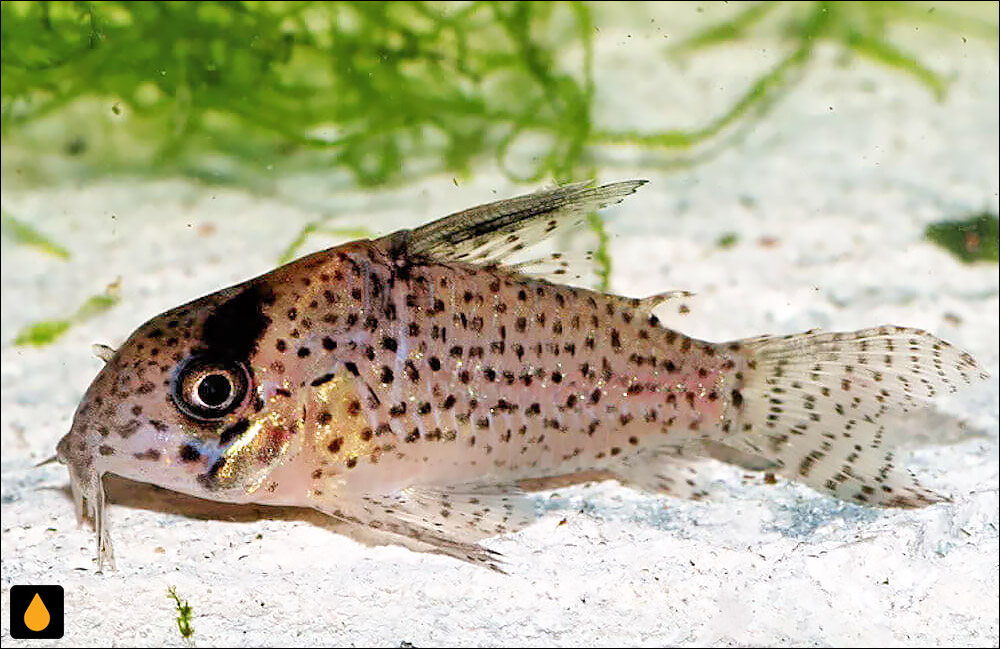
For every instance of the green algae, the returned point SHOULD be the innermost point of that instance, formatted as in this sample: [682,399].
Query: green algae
[972,239]
[727,240]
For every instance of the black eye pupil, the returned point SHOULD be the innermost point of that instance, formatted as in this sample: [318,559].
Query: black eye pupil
[214,390]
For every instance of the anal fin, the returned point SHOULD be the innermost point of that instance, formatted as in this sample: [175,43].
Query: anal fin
[668,472]
[566,480]
[681,472]
[685,472]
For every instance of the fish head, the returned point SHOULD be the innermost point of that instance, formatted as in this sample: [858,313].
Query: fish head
[193,401]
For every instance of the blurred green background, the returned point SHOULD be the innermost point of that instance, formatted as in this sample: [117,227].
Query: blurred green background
[385,93]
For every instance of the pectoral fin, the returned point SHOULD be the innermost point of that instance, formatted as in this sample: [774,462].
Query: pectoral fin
[447,520]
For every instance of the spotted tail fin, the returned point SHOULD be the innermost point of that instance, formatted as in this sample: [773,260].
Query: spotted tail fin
[831,409]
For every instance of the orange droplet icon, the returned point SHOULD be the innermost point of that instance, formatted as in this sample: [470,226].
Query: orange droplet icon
[36,617]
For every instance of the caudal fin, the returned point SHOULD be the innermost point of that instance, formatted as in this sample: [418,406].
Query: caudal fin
[830,409]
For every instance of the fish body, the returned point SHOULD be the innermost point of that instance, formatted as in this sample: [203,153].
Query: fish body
[415,383]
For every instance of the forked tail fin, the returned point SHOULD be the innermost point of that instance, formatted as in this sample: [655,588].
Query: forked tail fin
[830,409]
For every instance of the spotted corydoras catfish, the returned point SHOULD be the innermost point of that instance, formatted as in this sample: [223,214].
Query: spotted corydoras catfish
[412,384]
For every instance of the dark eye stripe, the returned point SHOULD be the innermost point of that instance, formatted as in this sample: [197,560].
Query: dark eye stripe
[233,431]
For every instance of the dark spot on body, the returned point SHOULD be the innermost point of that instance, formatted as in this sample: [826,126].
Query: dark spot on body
[128,429]
[189,453]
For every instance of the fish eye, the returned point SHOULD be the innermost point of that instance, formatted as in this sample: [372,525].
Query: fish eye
[206,389]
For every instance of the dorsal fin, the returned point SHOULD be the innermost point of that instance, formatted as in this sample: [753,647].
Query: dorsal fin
[489,234]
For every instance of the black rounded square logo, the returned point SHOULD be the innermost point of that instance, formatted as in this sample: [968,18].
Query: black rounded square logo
[36,612]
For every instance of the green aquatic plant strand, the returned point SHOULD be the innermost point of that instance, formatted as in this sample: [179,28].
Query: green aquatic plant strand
[855,27]
[183,609]
[24,234]
[320,227]
[45,332]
